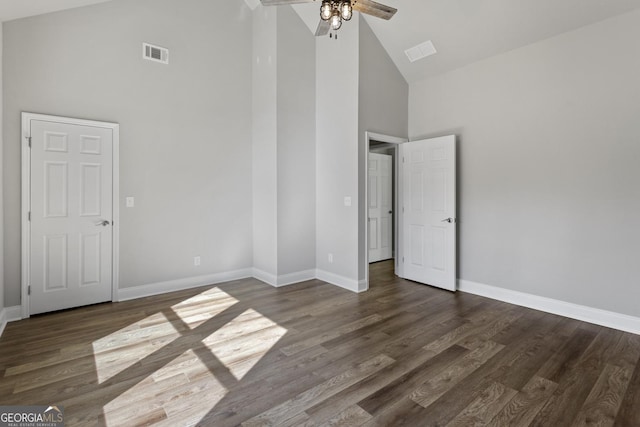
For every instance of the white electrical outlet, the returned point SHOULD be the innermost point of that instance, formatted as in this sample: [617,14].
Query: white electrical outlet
[196,260]
[130,202]
[347,201]
[330,257]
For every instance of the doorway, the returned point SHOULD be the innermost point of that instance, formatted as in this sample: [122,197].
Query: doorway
[381,202]
[424,205]
[385,145]
[69,212]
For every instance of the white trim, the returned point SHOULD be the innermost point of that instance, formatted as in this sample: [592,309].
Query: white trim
[285,279]
[13,313]
[385,138]
[3,320]
[369,136]
[263,276]
[9,314]
[297,277]
[159,288]
[26,188]
[596,316]
[342,282]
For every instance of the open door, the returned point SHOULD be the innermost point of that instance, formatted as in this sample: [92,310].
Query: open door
[429,211]
[380,207]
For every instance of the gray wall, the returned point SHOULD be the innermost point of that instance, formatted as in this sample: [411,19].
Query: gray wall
[337,154]
[549,148]
[382,108]
[296,84]
[185,128]
[1,180]
[265,140]
[283,143]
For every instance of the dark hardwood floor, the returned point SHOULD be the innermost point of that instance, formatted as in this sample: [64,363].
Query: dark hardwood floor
[314,354]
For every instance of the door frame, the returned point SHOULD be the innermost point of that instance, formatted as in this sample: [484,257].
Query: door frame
[26,198]
[368,137]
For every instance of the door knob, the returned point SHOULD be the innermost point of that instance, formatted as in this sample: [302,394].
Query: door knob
[103,223]
[449,220]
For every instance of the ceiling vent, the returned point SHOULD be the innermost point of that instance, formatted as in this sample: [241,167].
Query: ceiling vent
[155,53]
[421,51]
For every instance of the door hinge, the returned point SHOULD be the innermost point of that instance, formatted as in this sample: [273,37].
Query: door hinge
[403,161]
[403,260]
[29,138]
[29,216]
[29,290]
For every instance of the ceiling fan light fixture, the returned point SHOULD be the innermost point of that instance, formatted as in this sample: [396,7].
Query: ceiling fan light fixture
[336,21]
[346,10]
[326,10]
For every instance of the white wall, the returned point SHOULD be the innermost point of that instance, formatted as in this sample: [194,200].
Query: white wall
[549,147]
[383,108]
[337,155]
[185,127]
[265,140]
[296,84]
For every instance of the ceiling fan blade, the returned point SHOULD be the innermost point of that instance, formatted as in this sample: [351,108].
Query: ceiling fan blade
[279,2]
[323,28]
[373,8]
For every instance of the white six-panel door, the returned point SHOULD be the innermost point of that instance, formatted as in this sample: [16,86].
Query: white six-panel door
[71,233]
[380,207]
[429,217]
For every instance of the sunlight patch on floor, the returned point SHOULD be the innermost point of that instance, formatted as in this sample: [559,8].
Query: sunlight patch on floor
[183,391]
[204,306]
[121,349]
[242,342]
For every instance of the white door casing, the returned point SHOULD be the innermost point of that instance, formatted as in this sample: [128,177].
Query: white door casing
[380,207]
[429,211]
[69,237]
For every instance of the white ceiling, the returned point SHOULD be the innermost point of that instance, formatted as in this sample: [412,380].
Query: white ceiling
[463,31]
[14,9]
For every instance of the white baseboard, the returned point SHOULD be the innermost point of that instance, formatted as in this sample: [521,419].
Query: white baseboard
[14,313]
[125,294]
[297,277]
[9,314]
[596,316]
[341,281]
[3,320]
[263,276]
[284,279]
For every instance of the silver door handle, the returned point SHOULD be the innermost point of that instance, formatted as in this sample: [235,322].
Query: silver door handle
[449,220]
[103,223]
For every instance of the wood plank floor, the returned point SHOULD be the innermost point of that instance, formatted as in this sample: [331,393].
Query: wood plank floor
[312,354]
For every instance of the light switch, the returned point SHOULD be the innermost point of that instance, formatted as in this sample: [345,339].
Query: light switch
[347,201]
[130,202]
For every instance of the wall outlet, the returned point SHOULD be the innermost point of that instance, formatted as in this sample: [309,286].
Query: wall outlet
[130,202]
[330,258]
[196,260]
[347,201]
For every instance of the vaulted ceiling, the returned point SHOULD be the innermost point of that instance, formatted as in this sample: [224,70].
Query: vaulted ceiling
[463,31]
[466,31]
[14,9]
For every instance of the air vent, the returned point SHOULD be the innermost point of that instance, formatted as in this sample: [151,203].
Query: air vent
[421,51]
[155,53]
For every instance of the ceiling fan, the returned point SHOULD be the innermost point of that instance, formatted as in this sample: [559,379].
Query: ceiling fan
[333,12]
